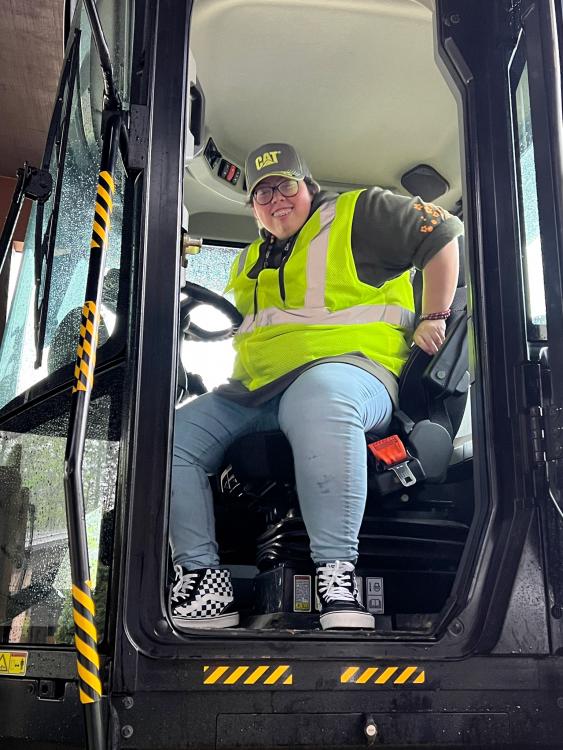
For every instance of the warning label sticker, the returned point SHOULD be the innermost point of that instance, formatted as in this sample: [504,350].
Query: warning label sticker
[13,663]
[301,593]
[375,601]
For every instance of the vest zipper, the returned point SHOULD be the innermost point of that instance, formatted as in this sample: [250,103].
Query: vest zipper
[264,265]
[286,252]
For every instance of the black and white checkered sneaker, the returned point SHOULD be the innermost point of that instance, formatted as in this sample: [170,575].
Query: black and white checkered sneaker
[338,596]
[202,599]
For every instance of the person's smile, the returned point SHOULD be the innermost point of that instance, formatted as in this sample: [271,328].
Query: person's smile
[281,212]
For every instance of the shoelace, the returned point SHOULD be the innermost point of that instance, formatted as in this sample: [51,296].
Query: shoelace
[335,585]
[184,584]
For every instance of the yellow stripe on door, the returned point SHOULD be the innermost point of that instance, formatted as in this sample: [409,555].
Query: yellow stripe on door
[248,674]
[382,675]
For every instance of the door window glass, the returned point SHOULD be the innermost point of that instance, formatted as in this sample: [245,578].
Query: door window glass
[35,578]
[529,218]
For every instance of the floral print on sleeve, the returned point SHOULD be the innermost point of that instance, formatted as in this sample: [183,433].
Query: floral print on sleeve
[430,216]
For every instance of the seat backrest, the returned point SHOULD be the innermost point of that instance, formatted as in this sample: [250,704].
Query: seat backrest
[62,349]
[64,341]
[436,387]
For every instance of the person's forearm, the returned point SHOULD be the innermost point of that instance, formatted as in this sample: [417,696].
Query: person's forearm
[440,277]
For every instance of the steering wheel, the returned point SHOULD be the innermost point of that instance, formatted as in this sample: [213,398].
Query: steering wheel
[199,295]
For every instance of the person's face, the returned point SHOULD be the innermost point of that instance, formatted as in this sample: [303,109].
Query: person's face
[283,216]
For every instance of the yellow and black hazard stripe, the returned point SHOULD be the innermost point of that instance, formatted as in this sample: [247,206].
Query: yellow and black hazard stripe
[263,674]
[104,207]
[86,642]
[86,350]
[354,675]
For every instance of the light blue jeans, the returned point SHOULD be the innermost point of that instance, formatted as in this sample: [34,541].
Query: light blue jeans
[324,414]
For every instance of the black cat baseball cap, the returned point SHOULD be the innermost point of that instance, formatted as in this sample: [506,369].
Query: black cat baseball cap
[273,160]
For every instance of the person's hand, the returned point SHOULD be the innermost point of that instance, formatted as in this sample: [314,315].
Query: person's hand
[429,335]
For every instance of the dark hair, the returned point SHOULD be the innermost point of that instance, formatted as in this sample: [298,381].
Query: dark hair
[312,186]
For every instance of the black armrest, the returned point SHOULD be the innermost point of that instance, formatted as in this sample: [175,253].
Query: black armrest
[432,445]
[447,373]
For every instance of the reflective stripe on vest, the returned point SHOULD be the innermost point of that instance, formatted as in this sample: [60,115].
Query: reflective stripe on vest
[316,259]
[314,312]
[273,316]
[242,259]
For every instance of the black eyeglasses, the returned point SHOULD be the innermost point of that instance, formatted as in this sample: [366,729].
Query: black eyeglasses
[265,193]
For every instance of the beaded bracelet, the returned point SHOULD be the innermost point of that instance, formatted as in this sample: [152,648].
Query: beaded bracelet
[442,315]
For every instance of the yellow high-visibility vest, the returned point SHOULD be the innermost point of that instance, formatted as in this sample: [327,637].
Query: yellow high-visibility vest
[327,310]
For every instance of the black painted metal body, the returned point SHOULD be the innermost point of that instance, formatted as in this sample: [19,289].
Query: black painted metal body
[507,701]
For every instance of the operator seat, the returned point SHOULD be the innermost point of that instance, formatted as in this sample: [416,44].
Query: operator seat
[433,394]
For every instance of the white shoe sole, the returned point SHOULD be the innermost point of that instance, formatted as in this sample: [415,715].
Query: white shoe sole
[346,619]
[206,623]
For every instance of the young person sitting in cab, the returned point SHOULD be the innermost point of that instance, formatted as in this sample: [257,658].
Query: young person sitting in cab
[327,302]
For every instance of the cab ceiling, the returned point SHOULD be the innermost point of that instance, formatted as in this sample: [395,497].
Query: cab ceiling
[353,84]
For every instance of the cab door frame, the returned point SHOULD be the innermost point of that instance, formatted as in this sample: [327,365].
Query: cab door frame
[501,528]
[506,410]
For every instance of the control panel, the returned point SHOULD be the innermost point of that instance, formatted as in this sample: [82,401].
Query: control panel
[226,170]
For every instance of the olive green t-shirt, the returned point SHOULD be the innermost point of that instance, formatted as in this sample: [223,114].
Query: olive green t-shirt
[390,234]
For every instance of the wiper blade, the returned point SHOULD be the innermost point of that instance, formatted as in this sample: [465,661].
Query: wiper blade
[45,243]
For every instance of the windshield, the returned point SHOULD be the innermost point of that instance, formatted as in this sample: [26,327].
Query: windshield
[64,296]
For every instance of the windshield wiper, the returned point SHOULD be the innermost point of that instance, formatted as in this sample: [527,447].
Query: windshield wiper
[57,137]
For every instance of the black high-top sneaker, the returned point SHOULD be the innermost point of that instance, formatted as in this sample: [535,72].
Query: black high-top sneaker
[202,598]
[338,596]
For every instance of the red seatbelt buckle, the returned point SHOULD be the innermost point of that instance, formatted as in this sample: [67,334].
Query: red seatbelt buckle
[392,454]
